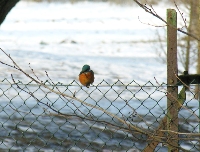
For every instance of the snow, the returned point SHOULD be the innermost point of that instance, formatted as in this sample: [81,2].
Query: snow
[61,38]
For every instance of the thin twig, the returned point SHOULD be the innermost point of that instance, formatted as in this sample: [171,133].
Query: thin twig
[184,19]
[72,97]
[149,10]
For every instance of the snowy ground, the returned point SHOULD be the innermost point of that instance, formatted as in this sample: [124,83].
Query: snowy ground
[61,37]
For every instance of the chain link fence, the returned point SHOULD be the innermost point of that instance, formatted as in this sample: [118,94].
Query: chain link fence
[107,117]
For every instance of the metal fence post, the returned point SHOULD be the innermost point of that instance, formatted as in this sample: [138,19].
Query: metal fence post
[172,69]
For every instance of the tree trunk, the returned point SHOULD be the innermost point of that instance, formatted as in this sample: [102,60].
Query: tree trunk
[197,91]
[5,7]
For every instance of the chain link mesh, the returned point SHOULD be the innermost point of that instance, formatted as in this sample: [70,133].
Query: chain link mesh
[33,118]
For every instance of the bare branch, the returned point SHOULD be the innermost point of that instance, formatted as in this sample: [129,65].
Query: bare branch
[71,97]
[152,12]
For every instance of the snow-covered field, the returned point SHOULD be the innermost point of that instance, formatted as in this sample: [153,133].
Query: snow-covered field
[61,37]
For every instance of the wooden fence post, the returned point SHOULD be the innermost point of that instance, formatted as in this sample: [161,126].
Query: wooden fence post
[172,71]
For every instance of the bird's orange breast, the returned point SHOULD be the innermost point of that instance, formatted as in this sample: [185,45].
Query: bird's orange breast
[86,78]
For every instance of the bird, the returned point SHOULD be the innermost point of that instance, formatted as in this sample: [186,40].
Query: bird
[86,76]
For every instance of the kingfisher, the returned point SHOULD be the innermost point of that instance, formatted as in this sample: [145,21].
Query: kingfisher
[86,76]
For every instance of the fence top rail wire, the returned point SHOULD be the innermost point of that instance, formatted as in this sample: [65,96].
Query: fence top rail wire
[47,83]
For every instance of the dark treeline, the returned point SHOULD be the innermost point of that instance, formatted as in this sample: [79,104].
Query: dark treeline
[121,2]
